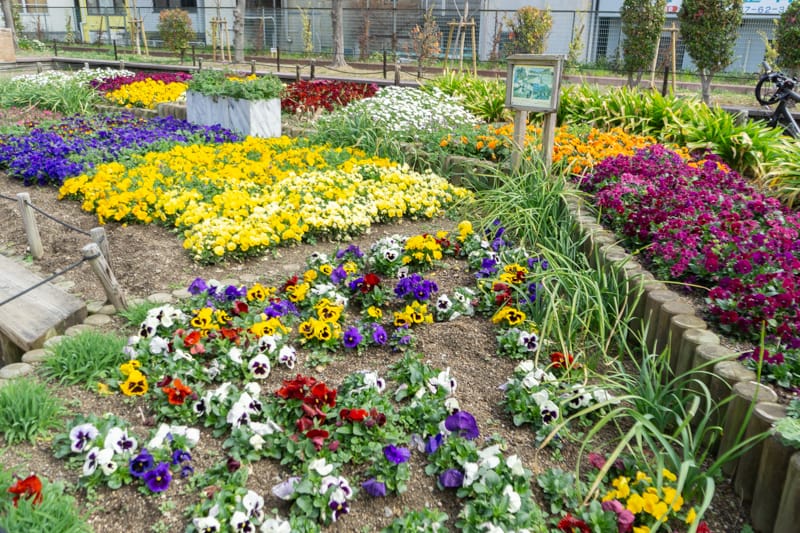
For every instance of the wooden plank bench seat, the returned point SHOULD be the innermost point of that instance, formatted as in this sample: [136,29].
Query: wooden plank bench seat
[29,320]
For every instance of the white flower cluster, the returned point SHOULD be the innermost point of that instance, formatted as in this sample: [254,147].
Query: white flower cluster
[61,78]
[408,111]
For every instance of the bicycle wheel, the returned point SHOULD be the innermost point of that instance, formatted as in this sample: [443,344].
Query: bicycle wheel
[766,91]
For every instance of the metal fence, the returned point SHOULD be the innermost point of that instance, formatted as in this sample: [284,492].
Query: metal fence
[586,37]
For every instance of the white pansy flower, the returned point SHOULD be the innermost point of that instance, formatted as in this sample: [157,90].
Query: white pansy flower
[514,501]
[235,355]
[320,466]
[276,525]
[253,389]
[253,503]
[525,366]
[257,442]
[287,356]
[470,474]
[514,464]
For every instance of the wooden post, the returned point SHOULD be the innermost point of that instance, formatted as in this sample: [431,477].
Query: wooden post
[397,73]
[99,238]
[520,128]
[92,253]
[29,222]
[548,139]
[474,48]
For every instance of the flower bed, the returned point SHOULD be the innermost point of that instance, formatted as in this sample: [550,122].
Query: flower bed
[312,96]
[699,222]
[65,149]
[240,199]
[145,90]
[210,361]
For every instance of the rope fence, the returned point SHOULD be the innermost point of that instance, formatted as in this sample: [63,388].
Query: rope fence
[96,252]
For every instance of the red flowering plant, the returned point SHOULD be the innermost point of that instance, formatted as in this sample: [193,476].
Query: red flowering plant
[179,397]
[29,488]
[367,419]
[311,96]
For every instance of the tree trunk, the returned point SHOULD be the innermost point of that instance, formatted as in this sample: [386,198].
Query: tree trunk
[238,31]
[337,23]
[705,84]
[8,17]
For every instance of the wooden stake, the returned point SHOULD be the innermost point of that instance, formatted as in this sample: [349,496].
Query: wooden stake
[92,253]
[99,238]
[31,228]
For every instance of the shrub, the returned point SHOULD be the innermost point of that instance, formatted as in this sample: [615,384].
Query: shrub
[175,28]
[641,24]
[529,29]
[709,28]
[787,38]
[220,83]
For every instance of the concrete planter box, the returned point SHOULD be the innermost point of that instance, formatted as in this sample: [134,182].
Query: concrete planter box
[258,118]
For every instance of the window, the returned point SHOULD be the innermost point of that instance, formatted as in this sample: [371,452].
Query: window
[174,4]
[105,7]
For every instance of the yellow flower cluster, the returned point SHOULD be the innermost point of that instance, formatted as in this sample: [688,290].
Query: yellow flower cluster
[414,313]
[510,315]
[649,503]
[513,273]
[146,93]
[135,383]
[422,251]
[325,326]
[464,230]
[238,199]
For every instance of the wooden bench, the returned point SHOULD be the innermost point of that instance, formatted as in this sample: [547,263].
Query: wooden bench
[29,320]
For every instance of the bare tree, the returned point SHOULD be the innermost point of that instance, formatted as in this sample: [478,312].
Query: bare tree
[238,31]
[337,23]
[8,17]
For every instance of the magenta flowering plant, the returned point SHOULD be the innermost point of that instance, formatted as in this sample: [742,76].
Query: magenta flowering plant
[698,222]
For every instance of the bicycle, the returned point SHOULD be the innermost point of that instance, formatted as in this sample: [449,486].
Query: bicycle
[776,87]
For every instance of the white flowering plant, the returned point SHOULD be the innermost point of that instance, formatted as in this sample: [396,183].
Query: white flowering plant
[401,113]
[108,453]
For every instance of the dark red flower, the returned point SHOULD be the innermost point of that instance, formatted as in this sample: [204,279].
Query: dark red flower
[304,423]
[30,487]
[240,307]
[569,523]
[322,395]
[353,415]
[317,436]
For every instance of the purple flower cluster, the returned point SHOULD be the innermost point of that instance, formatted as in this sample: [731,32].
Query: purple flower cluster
[415,287]
[158,477]
[112,84]
[701,223]
[71,147]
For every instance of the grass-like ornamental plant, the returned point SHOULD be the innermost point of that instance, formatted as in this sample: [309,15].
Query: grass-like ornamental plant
[231,85]
[27,410]
[86,358]
[64,92]
[34,504]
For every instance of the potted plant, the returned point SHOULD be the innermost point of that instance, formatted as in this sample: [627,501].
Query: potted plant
[250,105]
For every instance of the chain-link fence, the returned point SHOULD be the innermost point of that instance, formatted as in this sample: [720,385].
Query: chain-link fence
[588,38]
